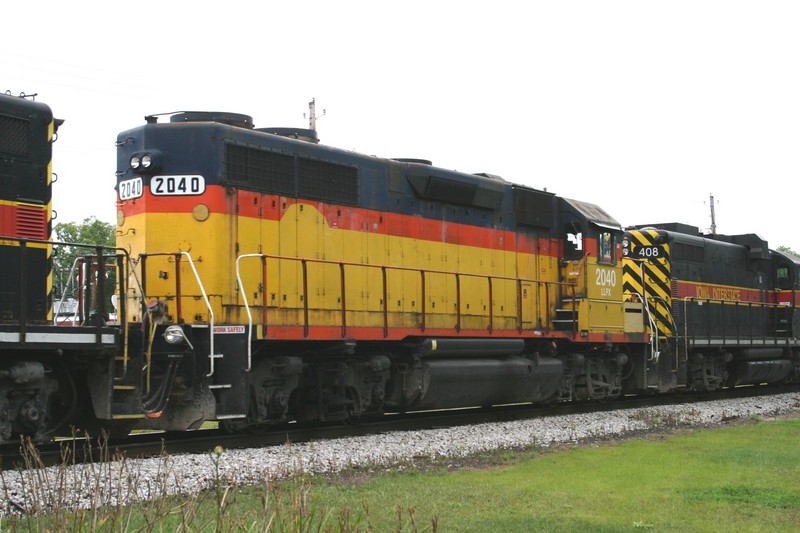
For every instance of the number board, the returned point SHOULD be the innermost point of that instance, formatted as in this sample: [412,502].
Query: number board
[177,185]
[634,250]
[130,189]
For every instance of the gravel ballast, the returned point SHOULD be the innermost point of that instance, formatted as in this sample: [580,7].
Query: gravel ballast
[114,482]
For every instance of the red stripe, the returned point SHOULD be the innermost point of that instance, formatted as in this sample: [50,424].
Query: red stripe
[397,334]
[707,291]
[270,207]
[214,198]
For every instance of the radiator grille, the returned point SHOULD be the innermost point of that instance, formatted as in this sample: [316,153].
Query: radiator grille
[259,169]
[290,175]
[327,181]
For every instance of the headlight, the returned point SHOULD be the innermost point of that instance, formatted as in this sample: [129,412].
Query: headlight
[148,162]
[174,335]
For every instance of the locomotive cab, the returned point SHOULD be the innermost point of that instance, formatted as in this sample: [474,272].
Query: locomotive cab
[786,269]
[591,270]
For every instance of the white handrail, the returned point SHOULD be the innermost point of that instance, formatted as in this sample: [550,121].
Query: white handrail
[64,292]
[654,347]
[247,308]
[210,314]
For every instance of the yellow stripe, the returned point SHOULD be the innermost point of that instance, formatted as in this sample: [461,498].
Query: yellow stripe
[25,204]
[303,231]
[38,245]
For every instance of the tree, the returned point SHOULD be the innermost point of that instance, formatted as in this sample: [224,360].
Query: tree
[787,250]
[89,233]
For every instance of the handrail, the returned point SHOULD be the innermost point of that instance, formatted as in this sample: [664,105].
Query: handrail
[177,256]
[23,242]
[671,323]
[66,290]
[247,307]
[738,305]
[384,271]
[652,323]
[123,260]
[655,344]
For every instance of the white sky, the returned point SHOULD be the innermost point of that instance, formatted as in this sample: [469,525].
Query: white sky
[645,108]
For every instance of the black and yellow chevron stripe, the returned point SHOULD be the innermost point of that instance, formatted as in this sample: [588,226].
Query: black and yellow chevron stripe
[646,272]
[51,127]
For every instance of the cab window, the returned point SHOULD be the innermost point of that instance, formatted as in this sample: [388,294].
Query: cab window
[573,241]
[782,279]
[605,248]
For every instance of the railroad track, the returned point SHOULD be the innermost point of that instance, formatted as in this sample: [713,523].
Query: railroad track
[77,450]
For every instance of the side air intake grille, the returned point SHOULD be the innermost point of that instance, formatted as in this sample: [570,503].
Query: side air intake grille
[290,175]
[327,181]
[31,222]
[261,170]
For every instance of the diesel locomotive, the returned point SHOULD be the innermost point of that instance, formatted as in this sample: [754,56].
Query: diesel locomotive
[263,278]
[724,304]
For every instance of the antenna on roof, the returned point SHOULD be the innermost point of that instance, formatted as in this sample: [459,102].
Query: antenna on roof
[312,115]
[713,218]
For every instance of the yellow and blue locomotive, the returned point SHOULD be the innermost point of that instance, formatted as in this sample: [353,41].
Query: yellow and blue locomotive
[314,283]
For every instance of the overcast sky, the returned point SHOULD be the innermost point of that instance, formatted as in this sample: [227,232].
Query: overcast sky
[644,108]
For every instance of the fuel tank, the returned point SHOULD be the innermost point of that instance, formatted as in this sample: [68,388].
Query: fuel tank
[445,383]
[756,372]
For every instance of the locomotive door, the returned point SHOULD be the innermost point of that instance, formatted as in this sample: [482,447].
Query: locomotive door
[574,255]
[786,285]
[604,281]
[569,313]
[530,267]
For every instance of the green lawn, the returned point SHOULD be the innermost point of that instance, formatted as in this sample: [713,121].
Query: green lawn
[745,478]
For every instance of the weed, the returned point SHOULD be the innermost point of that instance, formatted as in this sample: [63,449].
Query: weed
[655,420]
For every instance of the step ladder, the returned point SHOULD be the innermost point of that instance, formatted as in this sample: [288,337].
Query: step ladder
[126,388]
[229,377]
[566,318]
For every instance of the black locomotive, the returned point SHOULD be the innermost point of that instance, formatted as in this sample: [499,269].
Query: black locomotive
[725,306]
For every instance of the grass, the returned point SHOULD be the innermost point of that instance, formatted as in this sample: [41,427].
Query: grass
[744,478]
[737,479]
